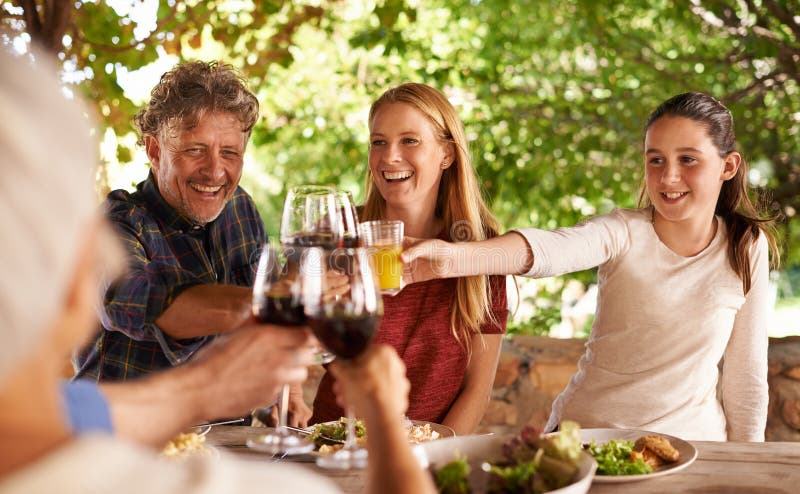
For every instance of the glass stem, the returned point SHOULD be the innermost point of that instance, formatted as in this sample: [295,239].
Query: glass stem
[283,410]
[350,442]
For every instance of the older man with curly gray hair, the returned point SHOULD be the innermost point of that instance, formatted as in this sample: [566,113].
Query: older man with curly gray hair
[192,234]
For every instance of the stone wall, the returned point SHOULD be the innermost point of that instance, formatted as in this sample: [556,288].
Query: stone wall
[534,369]
[783,422]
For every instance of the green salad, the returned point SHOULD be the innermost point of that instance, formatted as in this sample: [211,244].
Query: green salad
[532,463]
[335,430]
[614,458]
[452,478]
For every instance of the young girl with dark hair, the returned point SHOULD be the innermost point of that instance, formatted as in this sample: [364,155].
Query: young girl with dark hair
[679,341]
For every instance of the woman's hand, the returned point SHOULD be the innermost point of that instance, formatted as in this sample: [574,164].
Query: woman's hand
[299,412]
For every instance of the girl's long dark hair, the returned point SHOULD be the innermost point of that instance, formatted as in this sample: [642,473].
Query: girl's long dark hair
[745,218]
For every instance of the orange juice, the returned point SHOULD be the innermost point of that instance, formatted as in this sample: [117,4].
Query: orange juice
[388,267]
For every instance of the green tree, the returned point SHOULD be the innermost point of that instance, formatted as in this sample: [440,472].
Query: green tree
[554,94]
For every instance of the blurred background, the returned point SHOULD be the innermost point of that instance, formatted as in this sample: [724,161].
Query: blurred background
[553,94]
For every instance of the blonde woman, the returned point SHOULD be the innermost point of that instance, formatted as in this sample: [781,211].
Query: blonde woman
[448,332]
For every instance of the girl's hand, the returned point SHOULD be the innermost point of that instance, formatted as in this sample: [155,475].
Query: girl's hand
[425,260]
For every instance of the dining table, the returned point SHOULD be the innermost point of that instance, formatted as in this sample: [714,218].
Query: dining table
[720,467]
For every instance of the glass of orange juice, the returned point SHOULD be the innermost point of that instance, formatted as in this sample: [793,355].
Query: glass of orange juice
[384,240]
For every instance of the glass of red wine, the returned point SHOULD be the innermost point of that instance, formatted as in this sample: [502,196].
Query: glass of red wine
[277,299]
[314,216]
[311,218]
[344,308]
[350,223]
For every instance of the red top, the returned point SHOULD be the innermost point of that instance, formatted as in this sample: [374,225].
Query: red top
[416,322]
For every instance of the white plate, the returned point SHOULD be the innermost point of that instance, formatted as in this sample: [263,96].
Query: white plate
[481,448]
[688,453]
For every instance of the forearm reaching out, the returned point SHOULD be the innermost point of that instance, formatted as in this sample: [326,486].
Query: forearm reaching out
[228,378]
[428,259]
[207,309]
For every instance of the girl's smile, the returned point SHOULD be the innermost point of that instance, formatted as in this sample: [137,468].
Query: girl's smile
[684,171]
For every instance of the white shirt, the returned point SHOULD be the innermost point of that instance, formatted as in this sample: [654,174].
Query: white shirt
[663,324]
[101,464]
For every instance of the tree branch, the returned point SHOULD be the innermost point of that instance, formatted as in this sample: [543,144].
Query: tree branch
[31,15]
[56,23]
[76,33]
[784,16]
[46,22]
[771,80]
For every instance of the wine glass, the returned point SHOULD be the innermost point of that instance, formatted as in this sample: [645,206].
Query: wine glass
[313,217]
[350,223]
[277,300]
[344,309]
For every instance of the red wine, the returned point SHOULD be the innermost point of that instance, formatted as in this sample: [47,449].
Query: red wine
[349,242]
[325,240]
[296,245]
[281,310]
[345,336]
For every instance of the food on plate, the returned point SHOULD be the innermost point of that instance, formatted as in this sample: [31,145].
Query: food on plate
[331,433]
[532,463]
[326,436]
[620,457]
[646,456]
[614,458]
[657,449]
[421,433]
[453,477]
[184,445]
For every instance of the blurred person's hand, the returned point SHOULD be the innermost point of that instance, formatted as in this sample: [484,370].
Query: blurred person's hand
[244,369]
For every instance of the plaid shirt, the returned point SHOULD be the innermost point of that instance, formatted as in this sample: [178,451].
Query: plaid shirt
[168,254]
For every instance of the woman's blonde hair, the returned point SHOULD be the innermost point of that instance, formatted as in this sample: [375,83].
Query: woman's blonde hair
[459,203]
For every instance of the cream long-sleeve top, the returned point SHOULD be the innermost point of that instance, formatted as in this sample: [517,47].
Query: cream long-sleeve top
[676,347]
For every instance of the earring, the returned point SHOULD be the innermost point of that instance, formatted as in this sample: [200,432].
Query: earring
[444,164]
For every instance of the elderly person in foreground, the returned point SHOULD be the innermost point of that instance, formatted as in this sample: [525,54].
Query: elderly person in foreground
[56,249]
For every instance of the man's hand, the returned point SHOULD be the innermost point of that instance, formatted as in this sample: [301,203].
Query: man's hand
[374,383]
